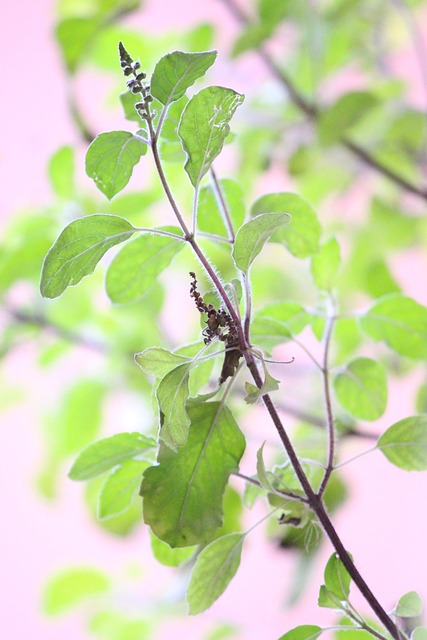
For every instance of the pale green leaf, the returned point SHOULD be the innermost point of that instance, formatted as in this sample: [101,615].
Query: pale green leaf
[204,127]
[325,264]
[183,493]
[119,488]
[176,72]
[278,322]
[409,605]
[253,235]
[78,249]
[72,586]
[136,267]
[61,172]
[128,101]
[254,393]
[337,579]
[209,209]
[420,633]
[158,362]
[327,599]
[168,556]
[303,632]
[105,454]
[361,388]
[261,471]
[172,395]
[404,444]
[338,119]
[302,235]
[110,160]
[400,322]
[75,35]
[215,567]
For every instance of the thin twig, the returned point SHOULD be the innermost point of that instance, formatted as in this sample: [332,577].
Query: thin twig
[329,412]
[222,205]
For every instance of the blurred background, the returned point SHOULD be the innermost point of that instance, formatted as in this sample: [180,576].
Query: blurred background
[68,375]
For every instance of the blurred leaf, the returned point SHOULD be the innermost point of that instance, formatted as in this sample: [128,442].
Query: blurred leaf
[361,388]
[209,214]
[302,235]
[176,72]
[400,322]
[278,322]
[253,235]
[61,172]
[111,625]
[110,160]
[409,605]
[106,454]
[72,586]
[325,264]
[120,487]
[128,101]
[78,249]
[135,268]
[404,444]
[420,633]
[204,127]
[251,37]
[335,121]
[421,399]
[183,493]
[74,36]
[168,556]
[303,632]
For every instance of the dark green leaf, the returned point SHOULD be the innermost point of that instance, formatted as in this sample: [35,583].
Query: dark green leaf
[61,172]
[302,235]
[204,127]
[337,579]
[176,72]
[158,362]
[215,567]
[325,264]
[251,238]
[404,444]
[135,268]
[172,395]
[105,454]
[361,388]
[72,586]
[183,494]
[349,109]
[120,487]
[409,606]
[400,322]
[78,249]
[111,158]
[303,632]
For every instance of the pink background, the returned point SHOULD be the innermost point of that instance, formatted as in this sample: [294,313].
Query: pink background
[384,525]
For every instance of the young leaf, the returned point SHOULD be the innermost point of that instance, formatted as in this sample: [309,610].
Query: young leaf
[400,322]
[78,249]
[302,235]
[361,388]
[61,172]
[327,599]
[216,565]
[172,395]
[325,264]
[303,632]
[167,556]
[110,160]
[158,362]
[135,268]
[204,127]
[261,472]
[105,454]
[183,493]
[279,321]
[119,488]
[337,579]
[72,586]
[409,606]
[176,72]
[251,238]
[404,444]
[349,109]
[254,394]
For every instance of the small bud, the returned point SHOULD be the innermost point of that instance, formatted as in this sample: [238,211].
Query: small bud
[141,76]
[127,71]
[136,66]
[136,88]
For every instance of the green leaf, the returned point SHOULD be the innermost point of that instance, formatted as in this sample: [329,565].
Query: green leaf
[400,322]
[261,472]
[361,388]
[75,36]
[420,633]
[172,395]
[128,101]
[110,160]
[215,567]
[158,362]
[327,599]
[278,322]
[337,579]
[72,586]
[105,454]
[61,172]
[120,487]
[404,444]
[176,72]
[251,238]
[204,127]
[254,393]
[409,605]
[303,632]
[209,215]
[135,268]
[167,556]
[78,249]
[325,264]
[337,120]
[302,235]
[183,493]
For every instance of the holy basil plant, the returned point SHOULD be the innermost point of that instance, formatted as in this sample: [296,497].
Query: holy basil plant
[183,471]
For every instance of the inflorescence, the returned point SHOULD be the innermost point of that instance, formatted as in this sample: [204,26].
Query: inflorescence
[136,84]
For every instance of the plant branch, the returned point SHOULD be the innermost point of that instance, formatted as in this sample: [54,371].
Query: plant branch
[222,205]
[329,412]
[313,112]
